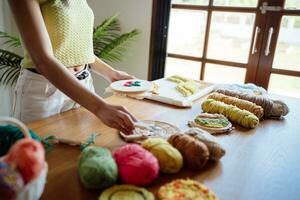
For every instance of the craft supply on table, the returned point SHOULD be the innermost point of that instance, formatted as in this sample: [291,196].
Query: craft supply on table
[248,88]
[9,135]
[178,79]
[240,103]
[11,182]
[131,86]
[195,153]
[272,108]
[126,192]
[183,189]
[97,168]
[136,165]
[216,152]
[213,123]
[169,95]
[236,115]
[150,129]
[27,157]
[169,158]
[154,90]
[50,140]
[188,88]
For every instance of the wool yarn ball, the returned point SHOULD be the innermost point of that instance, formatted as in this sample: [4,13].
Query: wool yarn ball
[97,168]
[11,182]
[169,158]
[195,153]
[9,135]
[136,165]
[29,157]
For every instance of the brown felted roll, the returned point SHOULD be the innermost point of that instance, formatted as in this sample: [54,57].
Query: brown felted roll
[194,152]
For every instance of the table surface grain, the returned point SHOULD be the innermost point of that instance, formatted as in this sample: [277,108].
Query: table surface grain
[260,164]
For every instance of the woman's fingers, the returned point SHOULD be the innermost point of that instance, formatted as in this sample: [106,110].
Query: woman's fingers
[127,112]
[126,121]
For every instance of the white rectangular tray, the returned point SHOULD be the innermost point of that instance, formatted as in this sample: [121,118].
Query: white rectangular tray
[169,95]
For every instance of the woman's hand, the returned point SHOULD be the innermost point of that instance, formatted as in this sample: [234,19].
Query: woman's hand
[117,117]
[120,75]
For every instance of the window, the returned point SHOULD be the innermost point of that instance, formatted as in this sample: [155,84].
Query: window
[240,38]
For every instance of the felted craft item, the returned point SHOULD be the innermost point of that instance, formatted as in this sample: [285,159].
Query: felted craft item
[187,88]
[194,152]
[11,134]
[169,158]
[213,123]
[236,115]
[136,165]
[177,79]
[272,108]
[11,182]
[184,189]
[150,129]
[97,168]
[126,192]
[240,103]
[216,152]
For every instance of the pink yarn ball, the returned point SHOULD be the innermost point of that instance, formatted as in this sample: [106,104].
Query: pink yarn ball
[29,157]
[136,165]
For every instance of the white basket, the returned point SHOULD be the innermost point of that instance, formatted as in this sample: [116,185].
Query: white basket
[34,189]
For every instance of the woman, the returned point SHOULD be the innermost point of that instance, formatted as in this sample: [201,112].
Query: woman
[57,36]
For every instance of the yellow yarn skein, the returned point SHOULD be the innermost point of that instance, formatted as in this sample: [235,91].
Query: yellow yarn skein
[170,159]
[236,115]
[240,103]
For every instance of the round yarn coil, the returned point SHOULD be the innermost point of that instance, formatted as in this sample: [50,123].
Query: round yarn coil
[216,152]
[136,165]
[170,159]
[28,156]
[97,168]
[183,189]
[240,103]
[236,115]
[272,108]
[195,153]
[126,192]
[11,182]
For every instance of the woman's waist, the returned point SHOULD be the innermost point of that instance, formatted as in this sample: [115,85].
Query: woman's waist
[73,70]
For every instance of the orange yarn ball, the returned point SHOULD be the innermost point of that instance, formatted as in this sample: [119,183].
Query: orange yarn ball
[28,156]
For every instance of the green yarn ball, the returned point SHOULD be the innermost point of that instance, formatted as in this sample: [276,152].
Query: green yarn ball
[9,135]
[97,168]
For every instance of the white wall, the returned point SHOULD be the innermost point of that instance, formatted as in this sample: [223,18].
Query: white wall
[132,14]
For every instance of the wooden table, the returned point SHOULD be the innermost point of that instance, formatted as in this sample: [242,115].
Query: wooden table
[260,164]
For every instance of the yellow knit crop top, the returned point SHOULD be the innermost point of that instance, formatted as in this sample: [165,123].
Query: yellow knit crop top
[70,28]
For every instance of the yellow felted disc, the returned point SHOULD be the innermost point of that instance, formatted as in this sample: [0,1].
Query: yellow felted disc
[183,189]
[126,192]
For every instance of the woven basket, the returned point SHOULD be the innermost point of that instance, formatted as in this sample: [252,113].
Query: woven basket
[34,189]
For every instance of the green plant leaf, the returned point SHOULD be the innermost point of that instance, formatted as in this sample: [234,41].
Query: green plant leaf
[115,51]
[10,40]
[10,66]
[110,24]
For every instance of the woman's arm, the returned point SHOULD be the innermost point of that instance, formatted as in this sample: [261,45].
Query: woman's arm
[108,72]
[35,36]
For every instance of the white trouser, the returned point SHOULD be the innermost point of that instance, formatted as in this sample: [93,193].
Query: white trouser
[36,98]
